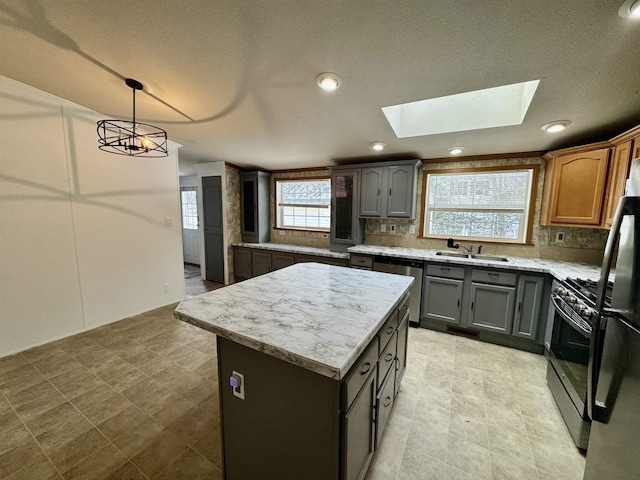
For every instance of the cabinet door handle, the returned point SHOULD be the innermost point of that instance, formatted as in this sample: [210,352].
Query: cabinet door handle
[366,368]
[397,363]
[471,305]
[388,357]
[387,401]
[458,303]
[519,306]
[378,191]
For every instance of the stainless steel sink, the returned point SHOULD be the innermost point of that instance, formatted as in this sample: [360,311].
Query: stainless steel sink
[472,256]
[491,258]
[452,254]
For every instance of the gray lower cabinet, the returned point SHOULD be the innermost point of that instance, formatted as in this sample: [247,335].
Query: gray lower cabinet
[491,307]
[241,264]
[442,297]
[500,306]
[529,300]
[260,262]
[281,260]
[251,262]
[401,356]
[359,431]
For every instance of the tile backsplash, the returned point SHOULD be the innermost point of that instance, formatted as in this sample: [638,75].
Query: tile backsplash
[580,244]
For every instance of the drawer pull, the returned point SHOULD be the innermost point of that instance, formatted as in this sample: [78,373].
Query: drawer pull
[494,275]
[366,368]
[390,330]
[388,357]
[404,307]
[444,269]
[387,401]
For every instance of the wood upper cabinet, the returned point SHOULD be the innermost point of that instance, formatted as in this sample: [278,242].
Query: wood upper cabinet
[620,162]
[574,189]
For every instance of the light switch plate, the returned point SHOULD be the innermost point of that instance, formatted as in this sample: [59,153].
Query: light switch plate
[412,229]
[383,228]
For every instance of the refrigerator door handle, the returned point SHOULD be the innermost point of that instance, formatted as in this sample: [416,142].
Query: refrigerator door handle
[626,206]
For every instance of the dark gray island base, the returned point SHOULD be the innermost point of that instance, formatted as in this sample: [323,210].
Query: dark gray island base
[317,408]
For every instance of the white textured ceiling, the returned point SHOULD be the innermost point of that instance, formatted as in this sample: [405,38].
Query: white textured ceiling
[235,80]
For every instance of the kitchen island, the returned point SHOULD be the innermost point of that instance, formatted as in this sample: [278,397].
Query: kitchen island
[315,354]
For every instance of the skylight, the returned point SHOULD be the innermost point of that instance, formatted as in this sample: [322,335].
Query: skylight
[488,108]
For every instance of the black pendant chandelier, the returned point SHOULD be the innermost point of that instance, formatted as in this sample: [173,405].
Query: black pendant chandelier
[132,138]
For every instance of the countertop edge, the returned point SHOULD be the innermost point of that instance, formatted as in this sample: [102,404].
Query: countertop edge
[282,247]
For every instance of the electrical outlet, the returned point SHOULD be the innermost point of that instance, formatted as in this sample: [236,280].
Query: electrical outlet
[237,384]
[392,228]
[167,287]
[383,228]
[325,235]
[560,236]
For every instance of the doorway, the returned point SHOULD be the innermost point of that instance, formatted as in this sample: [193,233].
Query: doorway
[213,238]
[190,225]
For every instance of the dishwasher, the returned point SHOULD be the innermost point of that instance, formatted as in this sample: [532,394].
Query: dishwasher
[412,268]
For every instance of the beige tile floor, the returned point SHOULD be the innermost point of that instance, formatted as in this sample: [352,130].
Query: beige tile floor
[137,399]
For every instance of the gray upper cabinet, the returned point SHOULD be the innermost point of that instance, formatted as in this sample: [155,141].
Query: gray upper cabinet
[371,192]
[529,300]
[389,191]
[346,229]
[254,203]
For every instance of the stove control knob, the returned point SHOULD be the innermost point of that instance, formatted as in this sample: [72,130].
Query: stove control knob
[571,299]
[586,313]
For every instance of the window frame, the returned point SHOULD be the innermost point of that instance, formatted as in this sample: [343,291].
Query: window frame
[535,178]
[275,204]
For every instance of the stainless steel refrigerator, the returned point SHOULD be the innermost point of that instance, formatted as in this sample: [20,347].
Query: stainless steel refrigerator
[614,364]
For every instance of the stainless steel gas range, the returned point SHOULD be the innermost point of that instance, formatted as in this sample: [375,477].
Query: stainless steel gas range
[571,313]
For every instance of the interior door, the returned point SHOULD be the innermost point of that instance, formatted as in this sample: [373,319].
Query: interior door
[213,241]
[190,225]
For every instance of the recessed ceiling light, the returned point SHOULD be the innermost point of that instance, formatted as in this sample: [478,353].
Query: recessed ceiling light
[555,127]
[378,146]
[456,150]
[630,9]
[328,81]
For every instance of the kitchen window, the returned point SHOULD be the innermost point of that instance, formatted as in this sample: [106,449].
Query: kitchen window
[494,203]
[303,204]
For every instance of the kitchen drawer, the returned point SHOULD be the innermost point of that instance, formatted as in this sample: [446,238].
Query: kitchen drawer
[387,331]
[387,359]
[361,261]
[445,271]
[403,308]
[384,404]
[360,372]
[495,277]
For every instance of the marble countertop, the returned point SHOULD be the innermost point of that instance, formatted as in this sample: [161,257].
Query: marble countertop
[320,317]
[281,247]
[560,270]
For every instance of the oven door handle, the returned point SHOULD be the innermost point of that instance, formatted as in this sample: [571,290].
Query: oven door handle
[579,328]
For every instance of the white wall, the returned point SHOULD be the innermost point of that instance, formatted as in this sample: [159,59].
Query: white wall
[82,241]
